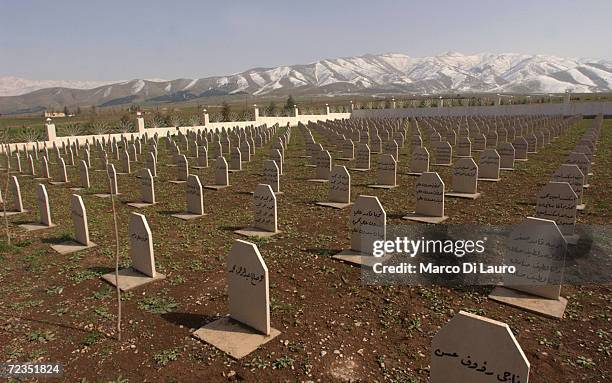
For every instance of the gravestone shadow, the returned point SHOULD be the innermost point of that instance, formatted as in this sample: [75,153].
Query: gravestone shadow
[189,320]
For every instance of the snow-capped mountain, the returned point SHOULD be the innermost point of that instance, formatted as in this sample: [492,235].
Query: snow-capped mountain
[449,72]
[15,86]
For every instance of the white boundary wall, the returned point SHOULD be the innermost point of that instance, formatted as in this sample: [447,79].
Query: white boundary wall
[584,108]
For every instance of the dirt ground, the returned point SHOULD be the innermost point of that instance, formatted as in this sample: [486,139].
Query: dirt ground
[55,308]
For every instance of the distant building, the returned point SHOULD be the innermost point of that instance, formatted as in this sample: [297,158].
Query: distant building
[55,114]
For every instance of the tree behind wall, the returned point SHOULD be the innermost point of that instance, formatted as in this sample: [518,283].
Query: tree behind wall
[225,111]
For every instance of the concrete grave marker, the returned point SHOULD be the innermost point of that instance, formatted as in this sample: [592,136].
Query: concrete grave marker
[182,170]
[276,156]
[464,147]
[235,164]
[15,206]
[265,221]
[61,172]
[429,199]
[112,181]
[573,176]
[537,249]
[362,158]
[506,153]
[45,211]
[443,154]
[202,160]
[583,163]
[151,163]
[420,161]
[81,229]
[221,175]
[347,151]
[520,149]
[324,166]
[465,179]
[488,166]
[557,202]
[195,199]
[248,325]
[475,349]
[386,172]
[271,176]
[339,188]
[368,223]
[147,190]
[143,260]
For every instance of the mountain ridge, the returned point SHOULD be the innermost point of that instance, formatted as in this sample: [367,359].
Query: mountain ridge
[448,72]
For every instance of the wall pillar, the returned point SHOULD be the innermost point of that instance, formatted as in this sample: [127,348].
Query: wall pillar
[296,111]
[206,117]
[256,112]
[326,108]
[50,129]
[140,124]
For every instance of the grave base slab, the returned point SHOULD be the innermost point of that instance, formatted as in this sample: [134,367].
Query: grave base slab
[319,180]
[414,174]
[360,259]
[11,213]
[216,187]
[130,278]
[234,170]
[69,247]
[550,308]
[199,167]
[140,205]
[36,226]
[424,218]
[187,216]
[489,179]
[105,195]
[255,232]
[581,207]
[383,186]
[310,166]
[462,195]
[177,182]
[507,169]
[359,170]
[76,189]
[232,337]
[344,159]
[447,165]
[57,183]
[335,205]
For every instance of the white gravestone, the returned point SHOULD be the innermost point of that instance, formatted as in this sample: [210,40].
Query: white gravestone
[420,161]
[475,349]
[573,176]
[339,188]
[386,172]
[81,228]
[465,179]
[221,175]
[143,259]
[45,211]
[368,224]
[271,176]
[265,216]
[147,190]
[362,158]
[537,249]
[488,166]
[506,153]
[323,167]
[429,199]
[248,325]
[557,202]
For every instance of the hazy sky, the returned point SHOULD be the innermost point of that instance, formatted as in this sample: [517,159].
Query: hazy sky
[120,40]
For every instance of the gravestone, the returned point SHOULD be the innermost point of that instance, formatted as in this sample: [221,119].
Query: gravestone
[147,190]
[392,148]
[83,176]
[583,163]
[386,172]
[368,224]
[194,198]
[15,206]
[420,161]
[141,253]
[248,325]
[125,162]
[235,164]
[202,160]
[112,181]
[61,173]
[572,175]
[79,220]
[45,211]
[44,169]
[444,154]
[475,349]
[221,175]
[506,153]
[362,158]
[339,188]
[271,176]
[537,249]
[151,163]
[276,156]
[465,179]
[348,150]
[488,166]
[464,147]
[520,149]
[182,170]
[480,143]
[557,202]
[265,222]
[429,199]
[324,166]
